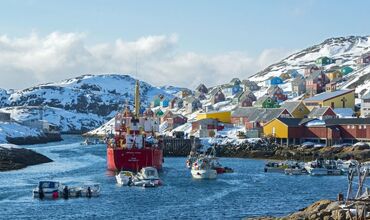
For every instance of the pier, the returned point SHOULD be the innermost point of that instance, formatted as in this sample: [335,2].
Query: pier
[179,147]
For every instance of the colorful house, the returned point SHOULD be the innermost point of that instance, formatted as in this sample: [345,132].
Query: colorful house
[284,76]
[224,117]
[346,70]
[165,102]
[328,131]
[298,86]
[276,81]
[315,83]
[331,87]
[296,108]
[336,99]
[235,81]
[266,102]
[176,103]
[192,104]
[217,96]
[250,85]
[310,69]
[322,61]
[247,94]
[156,101]
[255,118]
[159,113]
[322,113]
[206,127]
[277,93]
[334,74]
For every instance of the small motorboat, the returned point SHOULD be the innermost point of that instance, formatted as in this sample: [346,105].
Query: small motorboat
[147,177]
[202,169]
[55,190]
[48,190]
[125,178]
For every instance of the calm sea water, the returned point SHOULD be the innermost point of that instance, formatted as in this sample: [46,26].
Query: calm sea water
[247,192]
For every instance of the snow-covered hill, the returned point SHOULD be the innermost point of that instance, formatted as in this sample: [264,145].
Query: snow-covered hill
[345,50]
[80,103]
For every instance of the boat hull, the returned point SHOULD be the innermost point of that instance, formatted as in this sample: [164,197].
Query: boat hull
[134,159]
[204,174]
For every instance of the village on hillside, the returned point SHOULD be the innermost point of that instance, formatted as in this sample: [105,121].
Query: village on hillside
[294,108]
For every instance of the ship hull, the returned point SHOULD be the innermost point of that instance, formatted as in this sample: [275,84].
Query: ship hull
[134,159]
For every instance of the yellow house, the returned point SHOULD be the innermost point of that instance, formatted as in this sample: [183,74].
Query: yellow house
[296,108]
[335,99]
[275,128]
[285,130]
[336,74]
[220,116]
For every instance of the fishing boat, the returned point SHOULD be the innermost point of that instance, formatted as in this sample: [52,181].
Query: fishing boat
[202,169]
[134,144]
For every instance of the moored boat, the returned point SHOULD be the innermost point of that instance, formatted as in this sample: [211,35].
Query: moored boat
[147,177]
[124,178]
[201,169]
[55,190]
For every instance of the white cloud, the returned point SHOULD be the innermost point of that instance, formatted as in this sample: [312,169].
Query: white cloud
[35,59]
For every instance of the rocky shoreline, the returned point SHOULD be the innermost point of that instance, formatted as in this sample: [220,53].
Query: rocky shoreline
[13,158]
[268,150]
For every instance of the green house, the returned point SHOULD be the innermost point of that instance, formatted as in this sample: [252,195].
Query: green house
[323,61]
[266,102]
[159,113]
[345,70]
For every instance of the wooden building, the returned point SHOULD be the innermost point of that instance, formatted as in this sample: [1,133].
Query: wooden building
[336,99]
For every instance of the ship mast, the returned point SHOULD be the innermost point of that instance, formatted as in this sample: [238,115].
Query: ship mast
[137,99]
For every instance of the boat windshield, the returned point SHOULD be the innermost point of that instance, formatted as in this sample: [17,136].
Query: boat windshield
[48,184]
[151,173]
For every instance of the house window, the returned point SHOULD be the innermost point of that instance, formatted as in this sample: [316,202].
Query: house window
[359,127]
[348,127]
[364,126]
[353,127]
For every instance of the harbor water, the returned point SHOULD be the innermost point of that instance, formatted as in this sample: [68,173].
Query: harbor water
[247,192]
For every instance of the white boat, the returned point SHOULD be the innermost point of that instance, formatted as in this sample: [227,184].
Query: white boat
[316,168]
[201,169]
[125,178]
[147,177]
[48,190]
[84,191]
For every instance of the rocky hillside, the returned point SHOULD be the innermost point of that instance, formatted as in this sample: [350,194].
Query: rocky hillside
[78,104]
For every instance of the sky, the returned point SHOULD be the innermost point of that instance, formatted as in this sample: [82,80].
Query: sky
[171,42]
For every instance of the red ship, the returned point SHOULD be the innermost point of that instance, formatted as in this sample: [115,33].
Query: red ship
[134,144]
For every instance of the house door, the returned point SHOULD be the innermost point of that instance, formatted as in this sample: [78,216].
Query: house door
[273,131]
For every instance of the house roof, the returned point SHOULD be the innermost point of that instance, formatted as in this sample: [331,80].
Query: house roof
[190,99]
[265,114]
[327,95]
[291,106]
[314,74]
[273,89]
[347,121]
[243,111]
[318,112]
[291,122]
[344,112]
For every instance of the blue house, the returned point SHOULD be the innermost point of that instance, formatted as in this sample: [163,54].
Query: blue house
[294,73]
[165,102]
[236,89]
[276,81]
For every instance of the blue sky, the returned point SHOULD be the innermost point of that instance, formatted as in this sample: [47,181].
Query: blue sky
[202,27]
